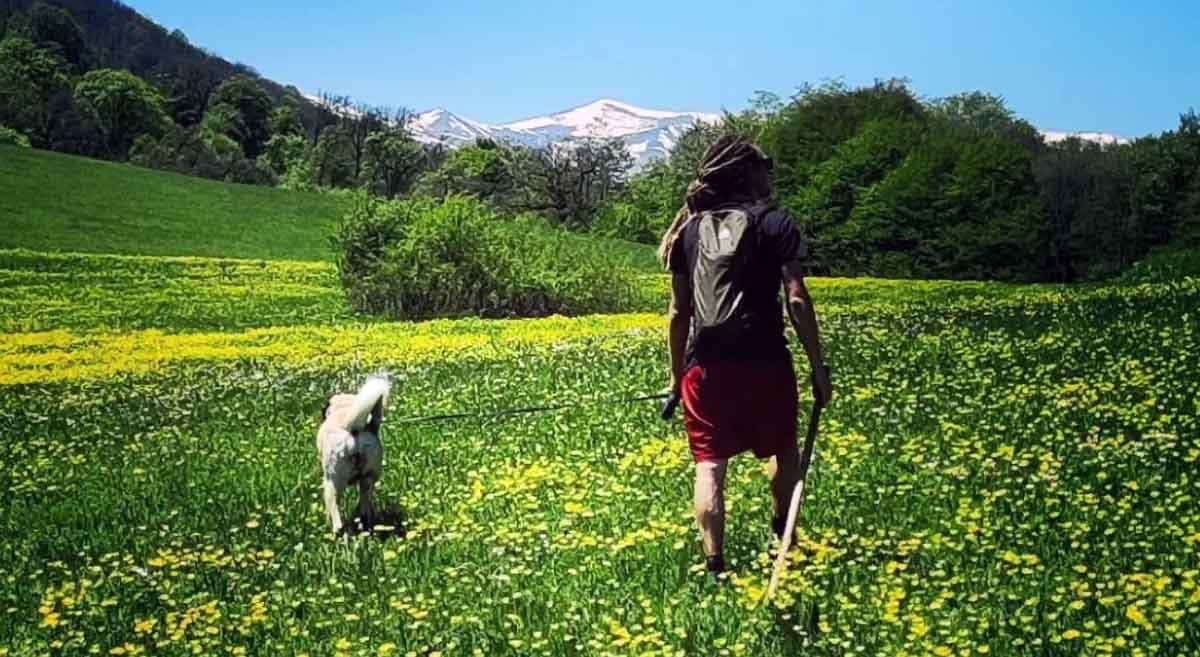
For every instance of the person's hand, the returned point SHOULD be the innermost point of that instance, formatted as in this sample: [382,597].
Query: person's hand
[671,402]
[822,386]
[669,406]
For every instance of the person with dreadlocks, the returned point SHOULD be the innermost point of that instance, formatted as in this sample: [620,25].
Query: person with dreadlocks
[730,250]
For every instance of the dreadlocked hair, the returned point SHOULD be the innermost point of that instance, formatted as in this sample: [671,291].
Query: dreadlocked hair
[672,235]
[733,170]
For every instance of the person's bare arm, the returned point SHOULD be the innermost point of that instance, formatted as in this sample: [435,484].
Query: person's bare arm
[804,321]
[679,319]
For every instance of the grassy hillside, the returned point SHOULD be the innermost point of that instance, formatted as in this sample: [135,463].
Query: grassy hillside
[54,202]
[61,203]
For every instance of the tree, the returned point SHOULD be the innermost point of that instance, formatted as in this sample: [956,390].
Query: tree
[332,159]
[806,131]
[571,182]
[985,113]
[1189,214]
[357,122]
[123,106]
[188,88]
[977,110]
[30,77]
[839,184]
[281,153]
[482,169]
[251,111]
[392,159]
[285,119]
[54,28]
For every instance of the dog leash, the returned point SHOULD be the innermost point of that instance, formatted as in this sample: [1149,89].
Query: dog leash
[529,410]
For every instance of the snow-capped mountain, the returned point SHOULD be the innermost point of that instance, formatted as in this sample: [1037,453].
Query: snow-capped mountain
[441,126]
[648,134]
[1103,138]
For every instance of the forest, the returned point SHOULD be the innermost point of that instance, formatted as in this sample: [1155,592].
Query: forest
[884,181]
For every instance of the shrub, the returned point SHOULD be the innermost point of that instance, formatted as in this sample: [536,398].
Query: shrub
[1164,264]
[422,258]
[626,221]
[10,137]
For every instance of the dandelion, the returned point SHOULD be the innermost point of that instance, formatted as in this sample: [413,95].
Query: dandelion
[1134,614]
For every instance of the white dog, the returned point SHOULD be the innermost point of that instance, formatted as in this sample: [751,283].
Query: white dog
[350,449]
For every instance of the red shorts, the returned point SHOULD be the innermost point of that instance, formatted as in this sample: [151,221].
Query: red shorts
[734,406]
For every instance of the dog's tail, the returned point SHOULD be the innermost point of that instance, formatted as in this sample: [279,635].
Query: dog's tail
[370,400]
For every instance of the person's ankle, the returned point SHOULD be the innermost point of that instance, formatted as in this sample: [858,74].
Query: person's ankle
[778,525]
[715,563]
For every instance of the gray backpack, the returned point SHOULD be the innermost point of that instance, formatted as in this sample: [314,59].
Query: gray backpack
[722,317]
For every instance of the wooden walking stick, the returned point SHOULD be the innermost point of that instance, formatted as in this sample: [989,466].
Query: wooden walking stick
[785,542]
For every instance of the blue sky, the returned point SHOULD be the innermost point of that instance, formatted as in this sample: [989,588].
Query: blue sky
[1123,67]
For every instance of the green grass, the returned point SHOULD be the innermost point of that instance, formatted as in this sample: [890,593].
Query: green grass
[113,293]
[1004,468]
[55,202]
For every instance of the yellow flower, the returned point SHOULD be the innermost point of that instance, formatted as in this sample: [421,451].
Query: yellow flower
[387,649]
[1134,614]
[342,644]
[1070,635]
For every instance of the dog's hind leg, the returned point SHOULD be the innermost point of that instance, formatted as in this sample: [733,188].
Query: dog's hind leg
[366,500]
[331,506]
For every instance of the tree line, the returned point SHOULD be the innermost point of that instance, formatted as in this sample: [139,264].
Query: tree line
[885,183]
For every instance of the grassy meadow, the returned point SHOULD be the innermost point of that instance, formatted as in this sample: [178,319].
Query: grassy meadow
[1006,470]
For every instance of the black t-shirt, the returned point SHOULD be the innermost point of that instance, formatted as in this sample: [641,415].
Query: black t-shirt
[778,242]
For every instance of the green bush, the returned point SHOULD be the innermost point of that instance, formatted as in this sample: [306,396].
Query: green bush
[10,137]
[1165,264]
[626,221]
[422,258]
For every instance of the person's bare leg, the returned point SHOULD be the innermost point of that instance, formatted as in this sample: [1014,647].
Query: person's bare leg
[710,508]
[784,470]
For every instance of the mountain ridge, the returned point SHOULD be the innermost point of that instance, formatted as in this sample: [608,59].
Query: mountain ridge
[649,134]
